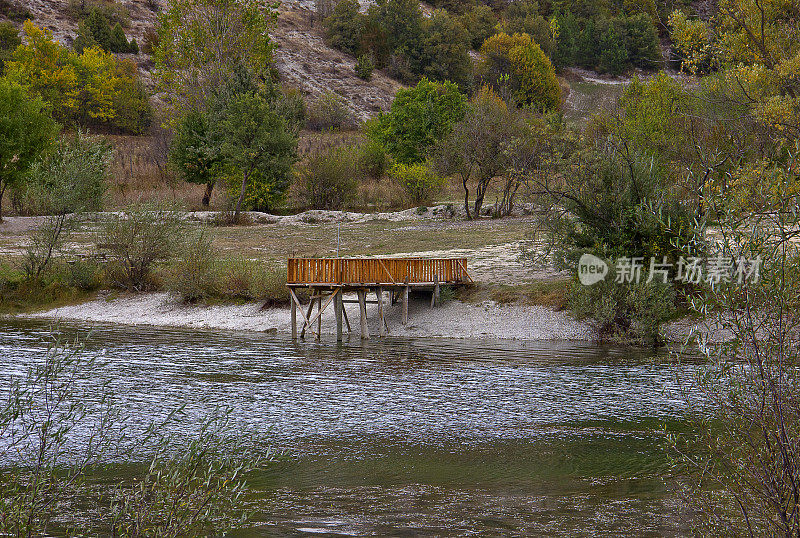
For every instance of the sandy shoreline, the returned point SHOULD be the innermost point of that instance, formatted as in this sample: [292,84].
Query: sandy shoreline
[454,319]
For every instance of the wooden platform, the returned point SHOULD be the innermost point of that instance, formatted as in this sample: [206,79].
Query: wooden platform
[328,279]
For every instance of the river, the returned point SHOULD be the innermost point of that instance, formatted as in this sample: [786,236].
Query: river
[413,437]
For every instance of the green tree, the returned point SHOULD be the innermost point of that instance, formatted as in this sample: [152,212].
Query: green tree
[26,130]
[9,41]
[442,54]
[419,117]
[344,27]
[194,154]
[254,140]
[479,22]
[202,41]
[517,61]
[479,147]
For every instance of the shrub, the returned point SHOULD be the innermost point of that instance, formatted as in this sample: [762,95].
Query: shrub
[192,276]
[240,278]
[137,240]
[519,63]
[71,178]
[343,28]
[328,180]
[364,67]
[419,117]
[626,312]
[372,159]
[86,275]
[479,23]
[111,10]
[9,41]
[329,112]
[419,181]
[13,11]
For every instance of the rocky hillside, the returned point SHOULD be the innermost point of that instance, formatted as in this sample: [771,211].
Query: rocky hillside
[302,58]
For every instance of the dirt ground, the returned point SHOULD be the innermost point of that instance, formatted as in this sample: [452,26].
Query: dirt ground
[494,248]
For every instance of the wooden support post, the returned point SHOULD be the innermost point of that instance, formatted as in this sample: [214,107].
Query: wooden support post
[319,318]
[338,308]
[294,320]
[435,294]
[347,320]
[381,320]
[362,303]
[307,325]
[405,305]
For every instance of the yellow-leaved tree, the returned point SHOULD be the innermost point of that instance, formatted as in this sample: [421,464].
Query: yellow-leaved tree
[91,88]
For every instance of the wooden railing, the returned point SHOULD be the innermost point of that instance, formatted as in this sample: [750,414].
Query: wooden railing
[372,271]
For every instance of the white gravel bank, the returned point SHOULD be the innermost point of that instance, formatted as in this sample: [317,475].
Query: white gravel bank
[451,320]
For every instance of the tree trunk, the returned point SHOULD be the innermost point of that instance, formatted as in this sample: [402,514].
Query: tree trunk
[2,190]
[466,199]
[480,193]
[245,176]
[207,195]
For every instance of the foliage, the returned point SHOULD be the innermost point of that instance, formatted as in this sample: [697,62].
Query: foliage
[364,67]
[202,42]
[96,30]
[517,66]
[138,239]
[419,181]
[328,180]
[344,27]
[192,274]
[193,153]
[691,38]
[115,12]
[394,34]
[69,179]
[9,41]
[442,51]
[479,147]
[524,18]
[91,88]
[419,117]
[26,130]
[608,44]
[240,278]
[372,159]
[329,111]
[631,313]
[479,22]
[254,140]
[13,11]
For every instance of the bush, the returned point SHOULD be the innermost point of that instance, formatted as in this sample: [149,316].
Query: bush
[13,11]
[85,275]
[418,180]
[111,10]
[329,112]
[364,67]
[515,65]
[240,278]
[328,180]
[372,159]
[192,276]
[624,312]
[419,117]
[137,241]
[479,23]
[70,179]
[344,26]
[9,41]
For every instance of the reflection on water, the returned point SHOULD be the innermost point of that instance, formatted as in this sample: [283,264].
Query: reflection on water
[414,436]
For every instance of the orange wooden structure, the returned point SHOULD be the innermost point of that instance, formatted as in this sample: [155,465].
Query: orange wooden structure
[376,271]
[328,279]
